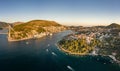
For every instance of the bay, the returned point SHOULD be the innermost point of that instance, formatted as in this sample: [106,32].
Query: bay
[43,55]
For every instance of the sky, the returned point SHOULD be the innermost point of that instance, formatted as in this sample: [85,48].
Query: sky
[66,12]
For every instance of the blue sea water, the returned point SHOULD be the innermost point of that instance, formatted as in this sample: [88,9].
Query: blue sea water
[43,55]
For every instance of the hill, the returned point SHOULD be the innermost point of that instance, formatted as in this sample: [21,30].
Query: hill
[114,25]
[34,25]
[43,23]
[33,28]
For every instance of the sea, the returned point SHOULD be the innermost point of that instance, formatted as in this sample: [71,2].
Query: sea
[43,55]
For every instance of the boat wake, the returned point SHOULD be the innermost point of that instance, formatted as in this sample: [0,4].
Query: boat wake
[70,68]
[47,50]
[54,54]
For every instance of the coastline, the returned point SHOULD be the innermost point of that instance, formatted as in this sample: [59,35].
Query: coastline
[69,52]
[33,37]
[73,53]
[82,54]
[13,40]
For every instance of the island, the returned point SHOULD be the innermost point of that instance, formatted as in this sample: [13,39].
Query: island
[96,40]
[33,29]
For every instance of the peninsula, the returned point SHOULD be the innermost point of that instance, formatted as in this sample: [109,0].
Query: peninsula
[96,40]
[33,29]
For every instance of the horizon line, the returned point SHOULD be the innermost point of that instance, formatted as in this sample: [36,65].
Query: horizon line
[66,23]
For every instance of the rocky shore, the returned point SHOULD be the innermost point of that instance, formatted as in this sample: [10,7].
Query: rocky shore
[94,53]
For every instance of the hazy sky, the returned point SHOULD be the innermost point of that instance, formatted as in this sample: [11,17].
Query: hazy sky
[68,12]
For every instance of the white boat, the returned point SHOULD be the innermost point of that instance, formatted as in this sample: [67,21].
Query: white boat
[48,44]
[27,42]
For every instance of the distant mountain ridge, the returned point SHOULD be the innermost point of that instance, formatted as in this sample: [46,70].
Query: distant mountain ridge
[17,23]
[113,25]
[3,25]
